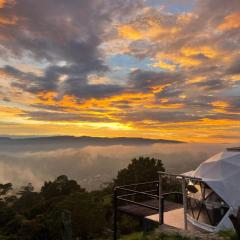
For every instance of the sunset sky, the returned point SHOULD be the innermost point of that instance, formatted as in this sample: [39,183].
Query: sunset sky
[144,68]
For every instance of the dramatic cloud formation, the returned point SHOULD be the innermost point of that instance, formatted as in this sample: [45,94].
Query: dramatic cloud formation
[145,68]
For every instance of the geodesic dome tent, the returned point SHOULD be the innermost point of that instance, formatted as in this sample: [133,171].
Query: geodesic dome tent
[222,173]
[219,191]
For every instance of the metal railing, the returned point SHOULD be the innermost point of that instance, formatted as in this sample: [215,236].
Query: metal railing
[127,194]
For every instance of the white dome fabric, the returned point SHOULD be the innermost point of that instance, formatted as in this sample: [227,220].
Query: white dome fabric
[222,173]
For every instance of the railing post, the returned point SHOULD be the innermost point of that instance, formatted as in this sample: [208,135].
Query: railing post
[162,215]
[160,198]
[184,202]
[115,214]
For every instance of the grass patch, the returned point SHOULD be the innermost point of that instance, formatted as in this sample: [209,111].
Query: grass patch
[154,236]
[133,236]
[229,235]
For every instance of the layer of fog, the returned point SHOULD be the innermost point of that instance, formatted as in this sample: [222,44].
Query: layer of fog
[93,166]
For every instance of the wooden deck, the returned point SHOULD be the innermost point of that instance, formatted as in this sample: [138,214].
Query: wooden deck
[173,213]
[139,211]
[173,218]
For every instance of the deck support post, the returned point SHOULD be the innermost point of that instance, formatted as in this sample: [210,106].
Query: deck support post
[160,199]
[184,202]
[115,214]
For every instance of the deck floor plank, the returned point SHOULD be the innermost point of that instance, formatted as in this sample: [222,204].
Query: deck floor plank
[139,211]
[173,218]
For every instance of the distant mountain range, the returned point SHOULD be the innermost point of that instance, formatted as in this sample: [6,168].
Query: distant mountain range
[72,142]
[85,139]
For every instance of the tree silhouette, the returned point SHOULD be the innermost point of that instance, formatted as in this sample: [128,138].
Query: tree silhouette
[142,169]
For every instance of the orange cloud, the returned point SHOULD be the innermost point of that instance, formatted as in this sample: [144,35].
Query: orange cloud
[178,58]
[235,77]
[49,98]
[151,30]
[129,32]
[204,50]
[186,57]
[8,21]
[111,105]
[220,106]
[9,113]
[196,79]
[165,65]
[231,21]
[3,3]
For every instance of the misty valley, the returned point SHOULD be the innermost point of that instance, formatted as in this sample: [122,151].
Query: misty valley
[91,161]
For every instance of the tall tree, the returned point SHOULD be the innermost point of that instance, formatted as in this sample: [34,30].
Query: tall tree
[142,169]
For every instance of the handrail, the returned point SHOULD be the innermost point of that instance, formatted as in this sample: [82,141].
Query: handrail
[138,203]
[137,192]
[130,192]
[137,184]
[133,194]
